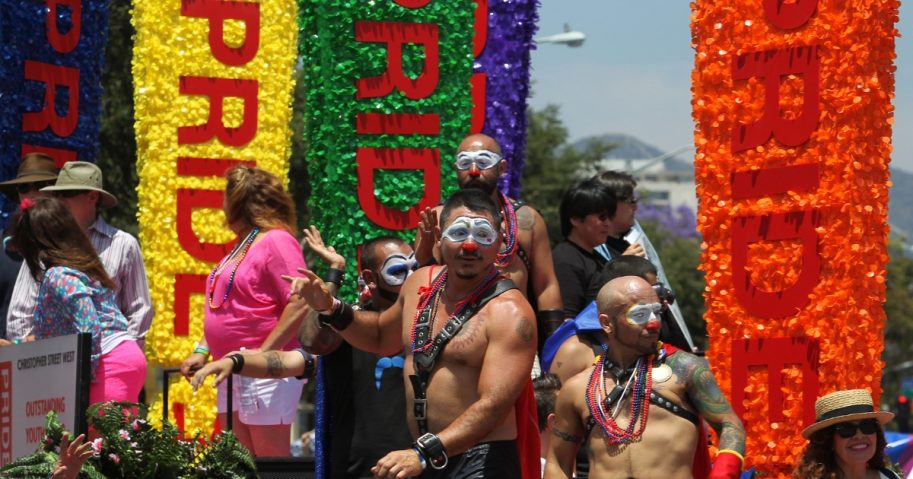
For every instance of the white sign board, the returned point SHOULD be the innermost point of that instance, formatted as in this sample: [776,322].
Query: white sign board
[37,377]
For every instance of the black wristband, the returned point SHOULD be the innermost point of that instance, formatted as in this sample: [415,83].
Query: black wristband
[339,319]
[335,276]
[431,447]
[310,366]
[550,320]
[237,361]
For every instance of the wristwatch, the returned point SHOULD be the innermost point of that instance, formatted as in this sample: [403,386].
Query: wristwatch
[433,449]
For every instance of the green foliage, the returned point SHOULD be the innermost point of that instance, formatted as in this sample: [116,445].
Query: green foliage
[129,447]
[681,257]
[552,164]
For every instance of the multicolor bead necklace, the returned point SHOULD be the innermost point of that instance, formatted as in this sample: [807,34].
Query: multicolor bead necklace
[598,401]
[236,256]
[433,293]
[506,254]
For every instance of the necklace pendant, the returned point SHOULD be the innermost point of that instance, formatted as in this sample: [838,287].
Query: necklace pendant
[661,373]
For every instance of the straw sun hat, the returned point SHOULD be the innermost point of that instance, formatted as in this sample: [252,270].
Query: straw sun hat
[845,406]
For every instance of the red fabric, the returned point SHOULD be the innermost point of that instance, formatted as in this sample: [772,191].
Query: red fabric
[528,433]
[726,466]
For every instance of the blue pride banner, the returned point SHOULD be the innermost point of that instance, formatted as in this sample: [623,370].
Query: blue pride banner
[51,62]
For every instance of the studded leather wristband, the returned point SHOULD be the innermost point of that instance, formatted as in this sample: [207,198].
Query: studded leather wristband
[338,318]
[432,449]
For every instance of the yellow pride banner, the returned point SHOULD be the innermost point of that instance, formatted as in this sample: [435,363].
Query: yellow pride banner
[213,84]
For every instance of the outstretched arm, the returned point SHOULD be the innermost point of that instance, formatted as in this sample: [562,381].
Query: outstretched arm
[267,364]
[426,236]
[314,338]
[365,330]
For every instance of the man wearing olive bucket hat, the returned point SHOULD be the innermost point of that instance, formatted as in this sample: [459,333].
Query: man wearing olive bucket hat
[847,439]
[79,186]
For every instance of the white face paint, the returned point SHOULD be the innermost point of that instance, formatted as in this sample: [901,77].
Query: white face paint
[479,229]
[641,314]
[483,159]
[397,267]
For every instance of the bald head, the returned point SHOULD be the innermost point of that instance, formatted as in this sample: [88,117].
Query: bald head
[624,291]
[479,141]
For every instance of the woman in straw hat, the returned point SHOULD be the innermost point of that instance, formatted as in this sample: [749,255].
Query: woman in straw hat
[76,295]
[847,439]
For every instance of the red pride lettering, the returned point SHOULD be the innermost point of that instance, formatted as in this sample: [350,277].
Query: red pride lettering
[59,155]
[478,81]
[217,89]
[395,35]
[789,15]
[217,12]
[63,42]
[53,76]
[428,160]
[187,201]
[6,412]
[772,65]
[185,285]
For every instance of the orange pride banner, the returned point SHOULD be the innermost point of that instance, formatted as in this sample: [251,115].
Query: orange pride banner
[792,110]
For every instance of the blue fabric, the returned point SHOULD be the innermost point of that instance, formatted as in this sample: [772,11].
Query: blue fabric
[322,426]
[586,320]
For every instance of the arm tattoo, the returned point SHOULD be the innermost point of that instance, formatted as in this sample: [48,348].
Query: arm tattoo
[705,394]
[274,366]
[525,219]
[525,330]
[566,437]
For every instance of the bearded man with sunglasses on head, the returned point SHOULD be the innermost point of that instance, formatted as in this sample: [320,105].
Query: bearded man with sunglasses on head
[638,408]
[469,338]
[526,255]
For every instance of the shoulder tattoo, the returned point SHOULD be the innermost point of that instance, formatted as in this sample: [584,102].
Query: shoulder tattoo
[524,330]
[525,218]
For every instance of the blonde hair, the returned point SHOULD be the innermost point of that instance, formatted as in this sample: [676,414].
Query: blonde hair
[256,197]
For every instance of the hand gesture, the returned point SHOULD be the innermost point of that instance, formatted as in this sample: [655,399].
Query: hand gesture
[221,369]
[311,289]
[635,249]
[193,362]
[327,254]
[429,233]
[398,465]
[72,456]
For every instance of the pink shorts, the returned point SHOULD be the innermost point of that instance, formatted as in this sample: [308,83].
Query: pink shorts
[120,374]
[262,402]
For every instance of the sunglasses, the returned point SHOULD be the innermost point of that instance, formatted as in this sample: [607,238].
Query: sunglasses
[483,159]
[69,193]
[847,430]
[631,201]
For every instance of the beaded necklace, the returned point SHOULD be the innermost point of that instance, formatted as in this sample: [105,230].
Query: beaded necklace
[433,293]
[235,257]
[642,381]
[505,256]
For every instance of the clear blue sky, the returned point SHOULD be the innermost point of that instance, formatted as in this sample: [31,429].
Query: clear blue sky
[632,75]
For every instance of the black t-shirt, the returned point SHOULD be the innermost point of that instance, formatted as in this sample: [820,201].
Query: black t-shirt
[367,410]
[574,268]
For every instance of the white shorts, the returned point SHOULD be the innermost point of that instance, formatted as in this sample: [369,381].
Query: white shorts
[262,402]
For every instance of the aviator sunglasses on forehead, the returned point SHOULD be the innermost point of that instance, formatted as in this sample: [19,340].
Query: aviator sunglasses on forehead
[641,314]
[483,159]
[847,430]
[397,268]
[479,229]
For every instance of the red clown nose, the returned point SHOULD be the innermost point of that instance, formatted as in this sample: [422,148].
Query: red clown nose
[652,325]
[474,171]
[470,246]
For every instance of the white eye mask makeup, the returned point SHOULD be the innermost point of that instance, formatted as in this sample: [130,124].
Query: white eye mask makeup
[397,268]
[641,314]
[483,159]
[479,229]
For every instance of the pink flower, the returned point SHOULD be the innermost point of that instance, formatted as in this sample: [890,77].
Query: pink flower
[123,434]
[115,458]
[96,446]
[136,424]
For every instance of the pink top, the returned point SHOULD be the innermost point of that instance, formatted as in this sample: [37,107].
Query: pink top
[257,298]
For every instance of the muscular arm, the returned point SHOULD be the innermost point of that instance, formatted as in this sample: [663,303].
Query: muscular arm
[267,364]
[505,371]
[709,400]
[314,338]
[568,431]
[544,282]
